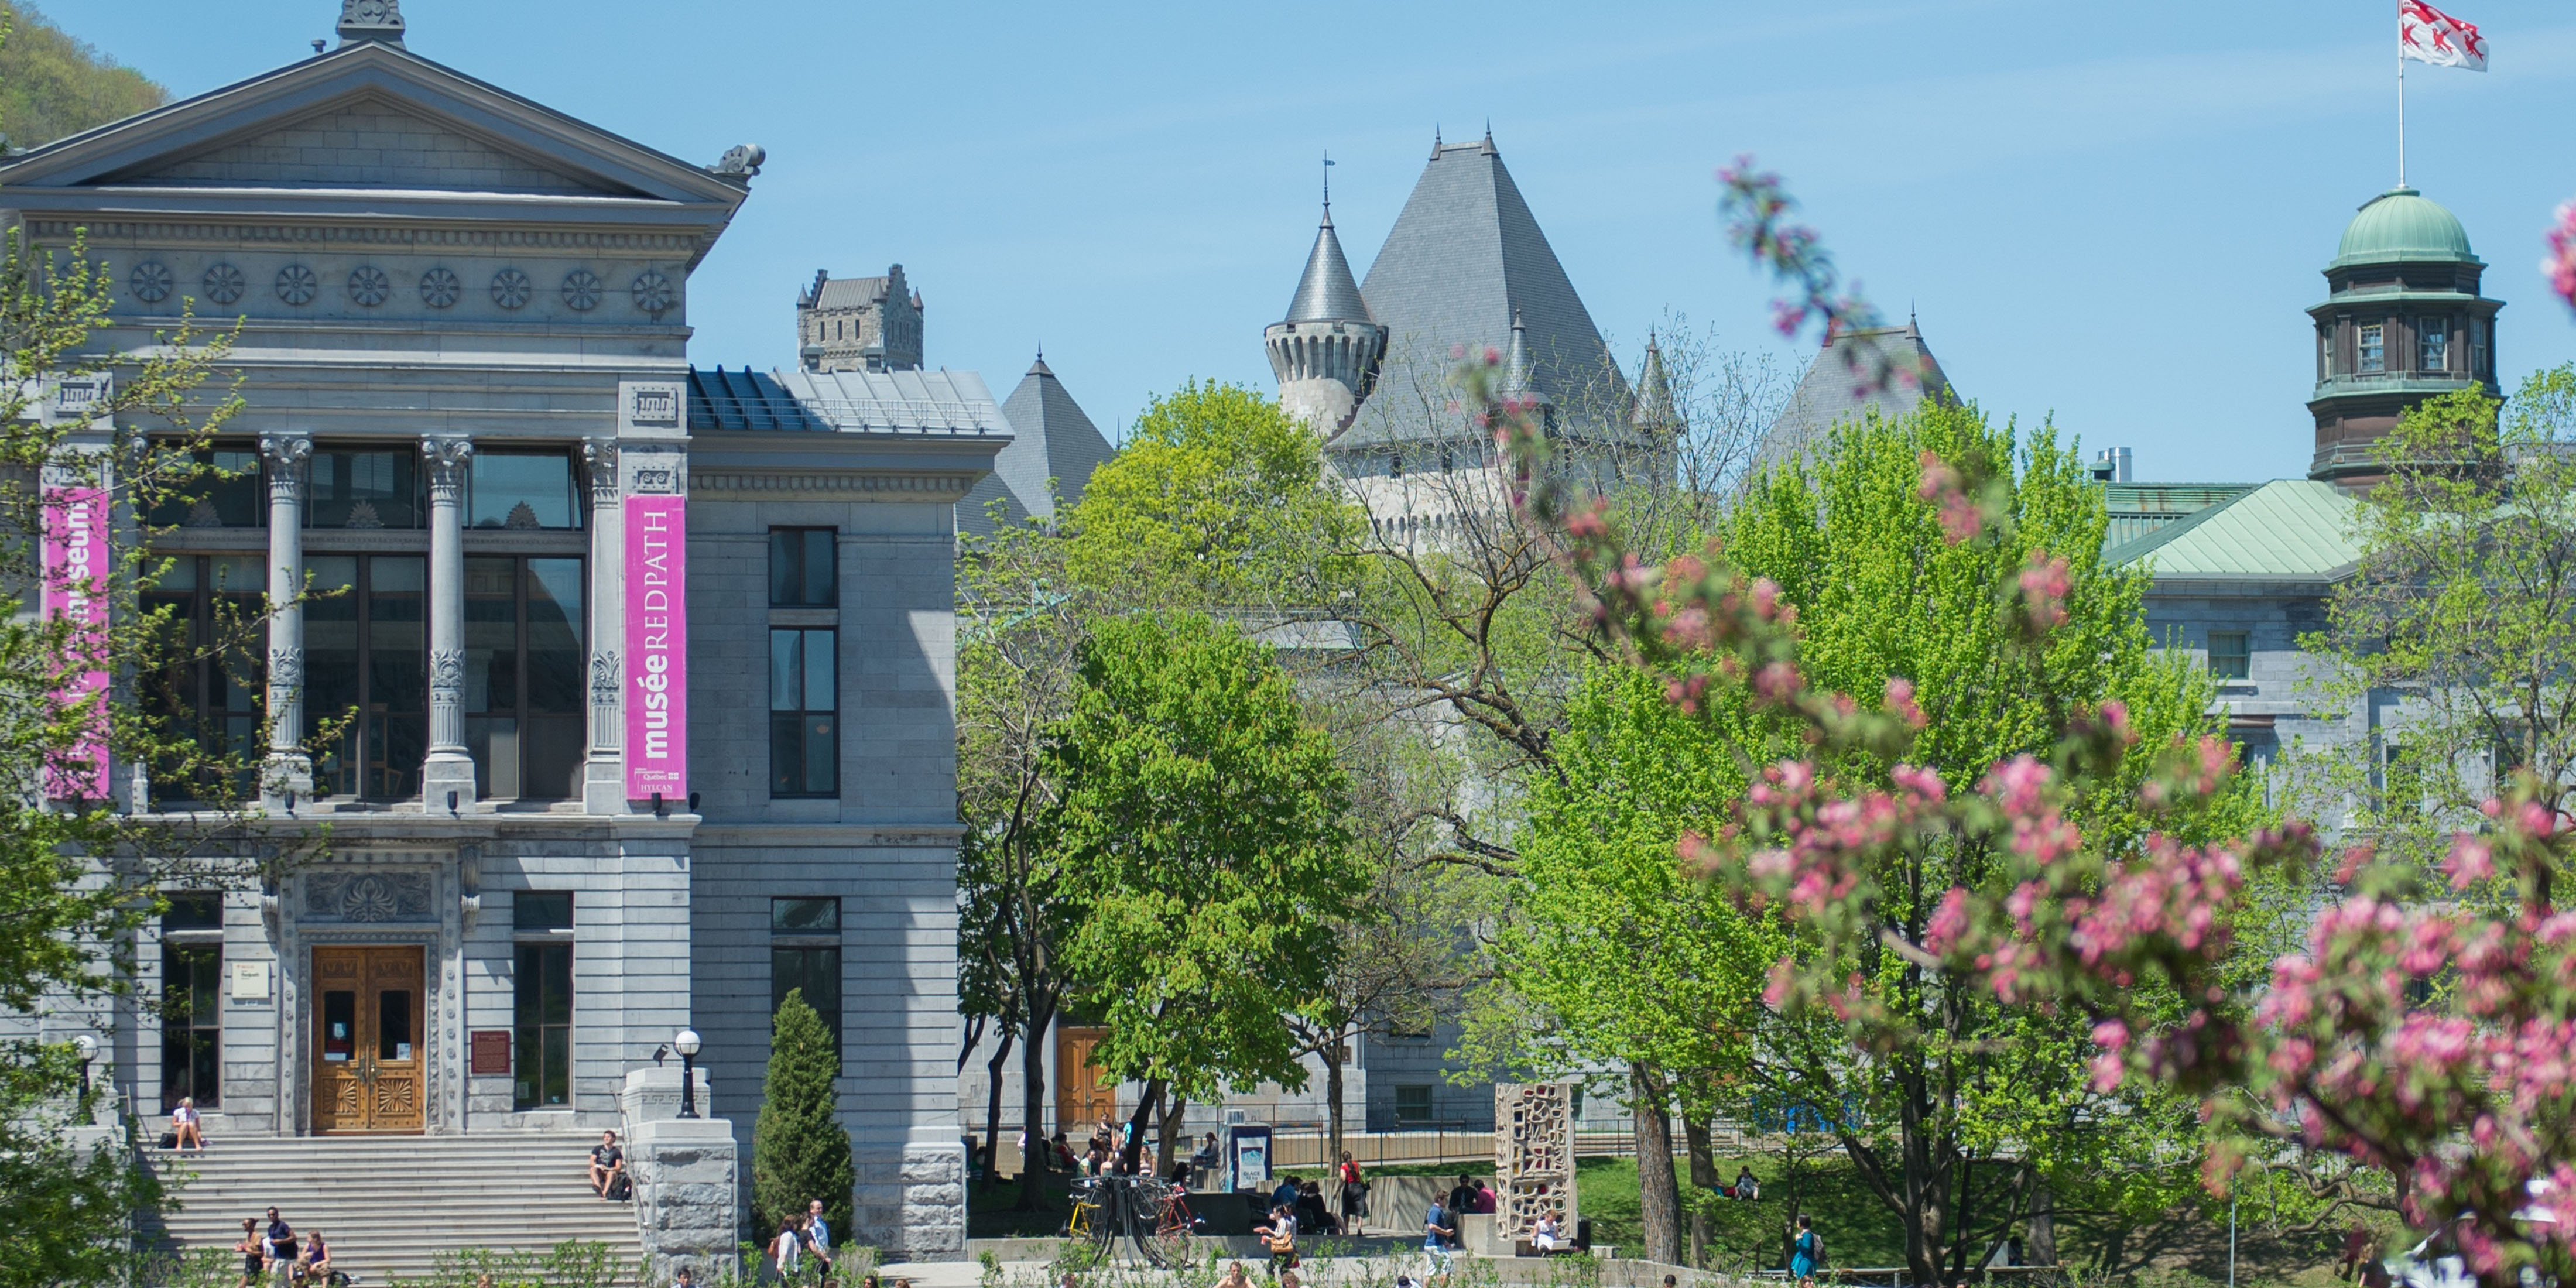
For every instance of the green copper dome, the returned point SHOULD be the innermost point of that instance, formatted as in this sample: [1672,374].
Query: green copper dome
[2399,225]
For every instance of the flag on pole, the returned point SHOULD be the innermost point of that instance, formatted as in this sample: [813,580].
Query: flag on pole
[2428,35]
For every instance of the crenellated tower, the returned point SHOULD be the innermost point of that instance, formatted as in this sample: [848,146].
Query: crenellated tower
[1325,353]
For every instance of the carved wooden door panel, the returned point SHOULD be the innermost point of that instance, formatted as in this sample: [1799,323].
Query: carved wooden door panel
[1082,1099]
[368,1057]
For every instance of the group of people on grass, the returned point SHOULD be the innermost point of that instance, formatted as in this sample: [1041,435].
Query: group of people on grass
[277,1254]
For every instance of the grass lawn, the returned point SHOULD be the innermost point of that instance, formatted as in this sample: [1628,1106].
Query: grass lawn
[2181,1250]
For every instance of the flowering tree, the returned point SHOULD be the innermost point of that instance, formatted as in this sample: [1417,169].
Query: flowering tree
[2411,1034]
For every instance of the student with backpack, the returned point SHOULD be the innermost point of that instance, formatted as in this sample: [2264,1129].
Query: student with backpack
[1806,1252]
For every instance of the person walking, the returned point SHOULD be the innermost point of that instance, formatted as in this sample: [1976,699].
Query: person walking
[785,1249]
[1354,1195]
[278,1245]
[1806,1252]
[253,1253]
[818,1238]
[1439,1235]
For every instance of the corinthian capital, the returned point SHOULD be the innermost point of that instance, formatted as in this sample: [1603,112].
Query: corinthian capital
[446,455]
[286,456]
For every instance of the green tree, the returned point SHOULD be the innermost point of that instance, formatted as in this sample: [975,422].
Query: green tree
[52,86]
[1199,823]
[2464,606]
[1216,499]
[799,1150]
[78,873]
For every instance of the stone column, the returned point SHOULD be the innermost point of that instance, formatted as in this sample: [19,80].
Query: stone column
[604,774]
[450,768]
[288,774]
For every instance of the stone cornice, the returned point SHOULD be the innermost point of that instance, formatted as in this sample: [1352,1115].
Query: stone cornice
[373,233]
[908,835]
[906,485]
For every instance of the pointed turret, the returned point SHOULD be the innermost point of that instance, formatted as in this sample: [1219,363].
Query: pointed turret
[1656,413]
[1325,352]
[1519,380]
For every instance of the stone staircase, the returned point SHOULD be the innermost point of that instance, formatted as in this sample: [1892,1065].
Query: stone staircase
[388,1204]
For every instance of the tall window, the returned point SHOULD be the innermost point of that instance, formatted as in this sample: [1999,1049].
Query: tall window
[366,651]
[524,699]
[350,487]
[2325,351]
[192,1001]
[225,494]
[211,689]
[803,568]
[2230,657]
[804,746]
[805,953]
[541,1056]
[2374,348]
[2478,347]
[1413,1103]
[2433,344]
[527,491]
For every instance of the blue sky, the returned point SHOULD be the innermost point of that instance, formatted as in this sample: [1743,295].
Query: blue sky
[2112,214]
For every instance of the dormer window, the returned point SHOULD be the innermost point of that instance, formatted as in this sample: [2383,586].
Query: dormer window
[2433,345]
[2374,347]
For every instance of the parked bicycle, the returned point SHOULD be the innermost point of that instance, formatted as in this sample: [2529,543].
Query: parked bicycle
[1150,1213]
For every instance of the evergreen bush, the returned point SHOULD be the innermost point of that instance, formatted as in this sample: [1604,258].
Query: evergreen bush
[799,1150]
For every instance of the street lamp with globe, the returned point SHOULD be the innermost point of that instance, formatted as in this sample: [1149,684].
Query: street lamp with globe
[686,1043]
[87,1046]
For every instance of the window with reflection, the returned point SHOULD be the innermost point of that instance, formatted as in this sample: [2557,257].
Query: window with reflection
[2434,342]
[366,673]
[525,706]
[365,488]
[209,612]
[223,493]
[2373,347]
[804,748]
[192,973]
[527,491]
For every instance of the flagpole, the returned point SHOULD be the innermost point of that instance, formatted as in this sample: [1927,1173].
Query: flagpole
[2401,116]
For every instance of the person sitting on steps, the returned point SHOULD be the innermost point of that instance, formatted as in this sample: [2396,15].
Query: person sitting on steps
[187,1129]
[316,1268]
[607,1163]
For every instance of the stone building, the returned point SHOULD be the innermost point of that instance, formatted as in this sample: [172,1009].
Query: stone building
[858,323]
[647,698]
[1466,269]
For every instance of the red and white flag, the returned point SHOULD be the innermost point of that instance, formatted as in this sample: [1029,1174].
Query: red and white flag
[2428,35]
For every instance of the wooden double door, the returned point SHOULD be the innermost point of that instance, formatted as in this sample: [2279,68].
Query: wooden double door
[369,1062]
[1083,1095]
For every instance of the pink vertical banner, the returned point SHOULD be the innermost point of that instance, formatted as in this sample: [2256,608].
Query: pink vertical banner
[75,576]
[657,646]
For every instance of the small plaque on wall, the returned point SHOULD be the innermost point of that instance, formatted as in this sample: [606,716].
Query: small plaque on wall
[491,1051]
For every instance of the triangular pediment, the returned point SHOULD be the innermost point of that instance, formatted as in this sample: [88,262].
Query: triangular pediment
[370,141]
[369,116]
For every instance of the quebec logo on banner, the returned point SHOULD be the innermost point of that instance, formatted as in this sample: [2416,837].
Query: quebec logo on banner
[657,646]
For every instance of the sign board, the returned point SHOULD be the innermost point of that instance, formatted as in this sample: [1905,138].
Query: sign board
[489,1051]
[75,579]
[1247,1157]
[250,981]
[657,647]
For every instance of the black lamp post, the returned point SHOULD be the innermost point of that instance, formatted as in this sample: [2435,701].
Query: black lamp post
[88,1048]
[686,1043]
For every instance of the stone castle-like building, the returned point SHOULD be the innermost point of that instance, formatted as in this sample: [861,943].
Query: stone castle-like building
[858,323]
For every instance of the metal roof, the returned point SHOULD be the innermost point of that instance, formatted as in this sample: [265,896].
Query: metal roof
[898,402]
[746,399]
[2287,529]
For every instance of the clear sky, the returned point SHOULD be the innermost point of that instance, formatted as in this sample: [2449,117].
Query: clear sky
[2108,213]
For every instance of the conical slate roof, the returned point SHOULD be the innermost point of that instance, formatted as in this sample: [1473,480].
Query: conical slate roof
[1328,292]
[1834,390]
[1464,257]
[1051,439]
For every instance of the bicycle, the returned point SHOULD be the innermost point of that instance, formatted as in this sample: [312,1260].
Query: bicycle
[1174,1226]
